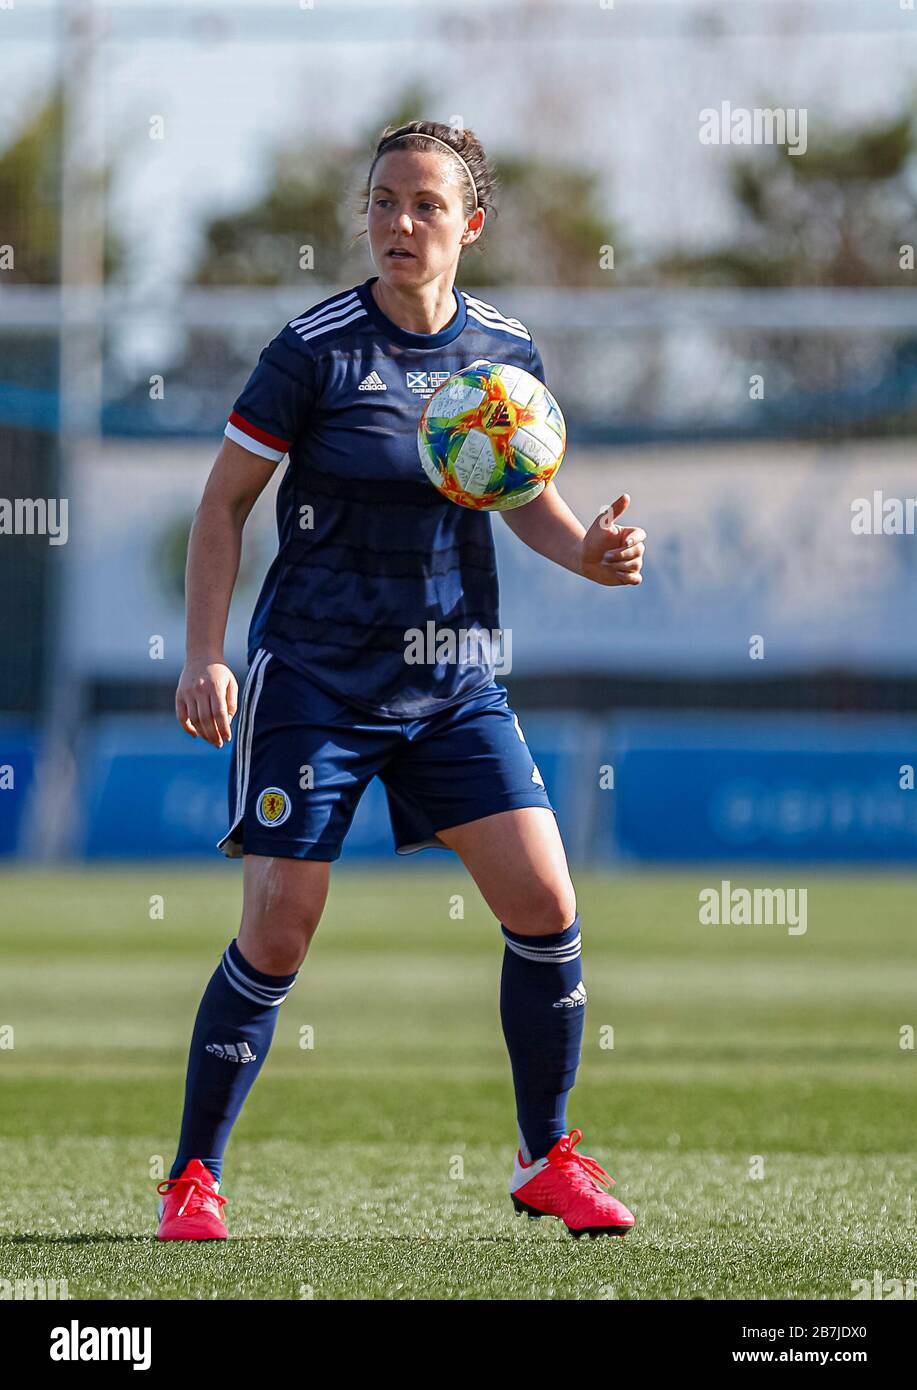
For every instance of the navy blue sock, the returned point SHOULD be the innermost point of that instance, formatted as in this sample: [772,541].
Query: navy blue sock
[542,1009]
[232,1033]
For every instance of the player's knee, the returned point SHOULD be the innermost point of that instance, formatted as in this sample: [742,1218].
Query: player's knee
[283,904]
[286,947]
[547,910]
[276,932]
[278,947]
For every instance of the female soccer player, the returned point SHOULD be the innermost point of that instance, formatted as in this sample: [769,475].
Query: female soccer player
[369,550]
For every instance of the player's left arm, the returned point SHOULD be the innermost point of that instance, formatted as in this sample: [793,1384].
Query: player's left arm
[607,553]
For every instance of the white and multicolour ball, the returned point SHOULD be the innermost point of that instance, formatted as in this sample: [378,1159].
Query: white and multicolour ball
[492,437]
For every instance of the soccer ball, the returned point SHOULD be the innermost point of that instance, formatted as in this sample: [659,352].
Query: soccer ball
[491,437]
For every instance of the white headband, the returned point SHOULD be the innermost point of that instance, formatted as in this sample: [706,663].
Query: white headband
[451,151]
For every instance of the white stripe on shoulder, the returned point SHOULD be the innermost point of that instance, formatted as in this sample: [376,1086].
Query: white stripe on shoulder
[326,308]
[500,327]
[492,318]
[358,313]
[491,311]
[329,315]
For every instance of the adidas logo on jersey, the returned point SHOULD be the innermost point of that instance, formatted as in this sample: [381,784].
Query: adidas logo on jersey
[373,382]
[232,1052]
[576,999]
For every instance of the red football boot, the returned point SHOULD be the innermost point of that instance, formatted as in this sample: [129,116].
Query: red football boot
[569,1185]
[192,1208]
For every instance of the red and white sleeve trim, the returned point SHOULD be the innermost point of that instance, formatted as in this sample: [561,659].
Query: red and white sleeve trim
[269,446]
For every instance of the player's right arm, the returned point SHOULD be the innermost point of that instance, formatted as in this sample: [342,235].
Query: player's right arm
[207,693]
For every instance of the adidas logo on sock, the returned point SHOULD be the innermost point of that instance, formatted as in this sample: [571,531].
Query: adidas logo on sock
[574,1000]
[232,1052]
[373,382]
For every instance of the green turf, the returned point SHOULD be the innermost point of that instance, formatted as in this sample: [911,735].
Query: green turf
[375,1164]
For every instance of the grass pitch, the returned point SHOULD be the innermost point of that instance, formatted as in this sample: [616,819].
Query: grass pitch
[756,1106]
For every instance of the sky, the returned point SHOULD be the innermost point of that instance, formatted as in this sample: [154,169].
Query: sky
[618,89]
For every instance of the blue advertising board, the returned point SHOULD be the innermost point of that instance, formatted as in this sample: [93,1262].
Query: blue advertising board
[152,792]
[17,768]
[760,787]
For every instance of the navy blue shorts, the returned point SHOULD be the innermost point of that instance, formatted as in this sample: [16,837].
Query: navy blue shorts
[301,760]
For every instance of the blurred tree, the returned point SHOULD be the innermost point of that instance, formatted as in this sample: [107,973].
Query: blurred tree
[835,215]
[548,229]
[260,244]
[30,199]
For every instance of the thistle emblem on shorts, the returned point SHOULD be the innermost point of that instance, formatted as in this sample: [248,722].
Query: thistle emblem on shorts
[273,806]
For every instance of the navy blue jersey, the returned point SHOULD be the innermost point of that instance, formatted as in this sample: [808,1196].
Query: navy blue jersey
[369,551]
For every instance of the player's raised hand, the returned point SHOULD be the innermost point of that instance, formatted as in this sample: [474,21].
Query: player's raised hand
[613,554]
[206,700]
